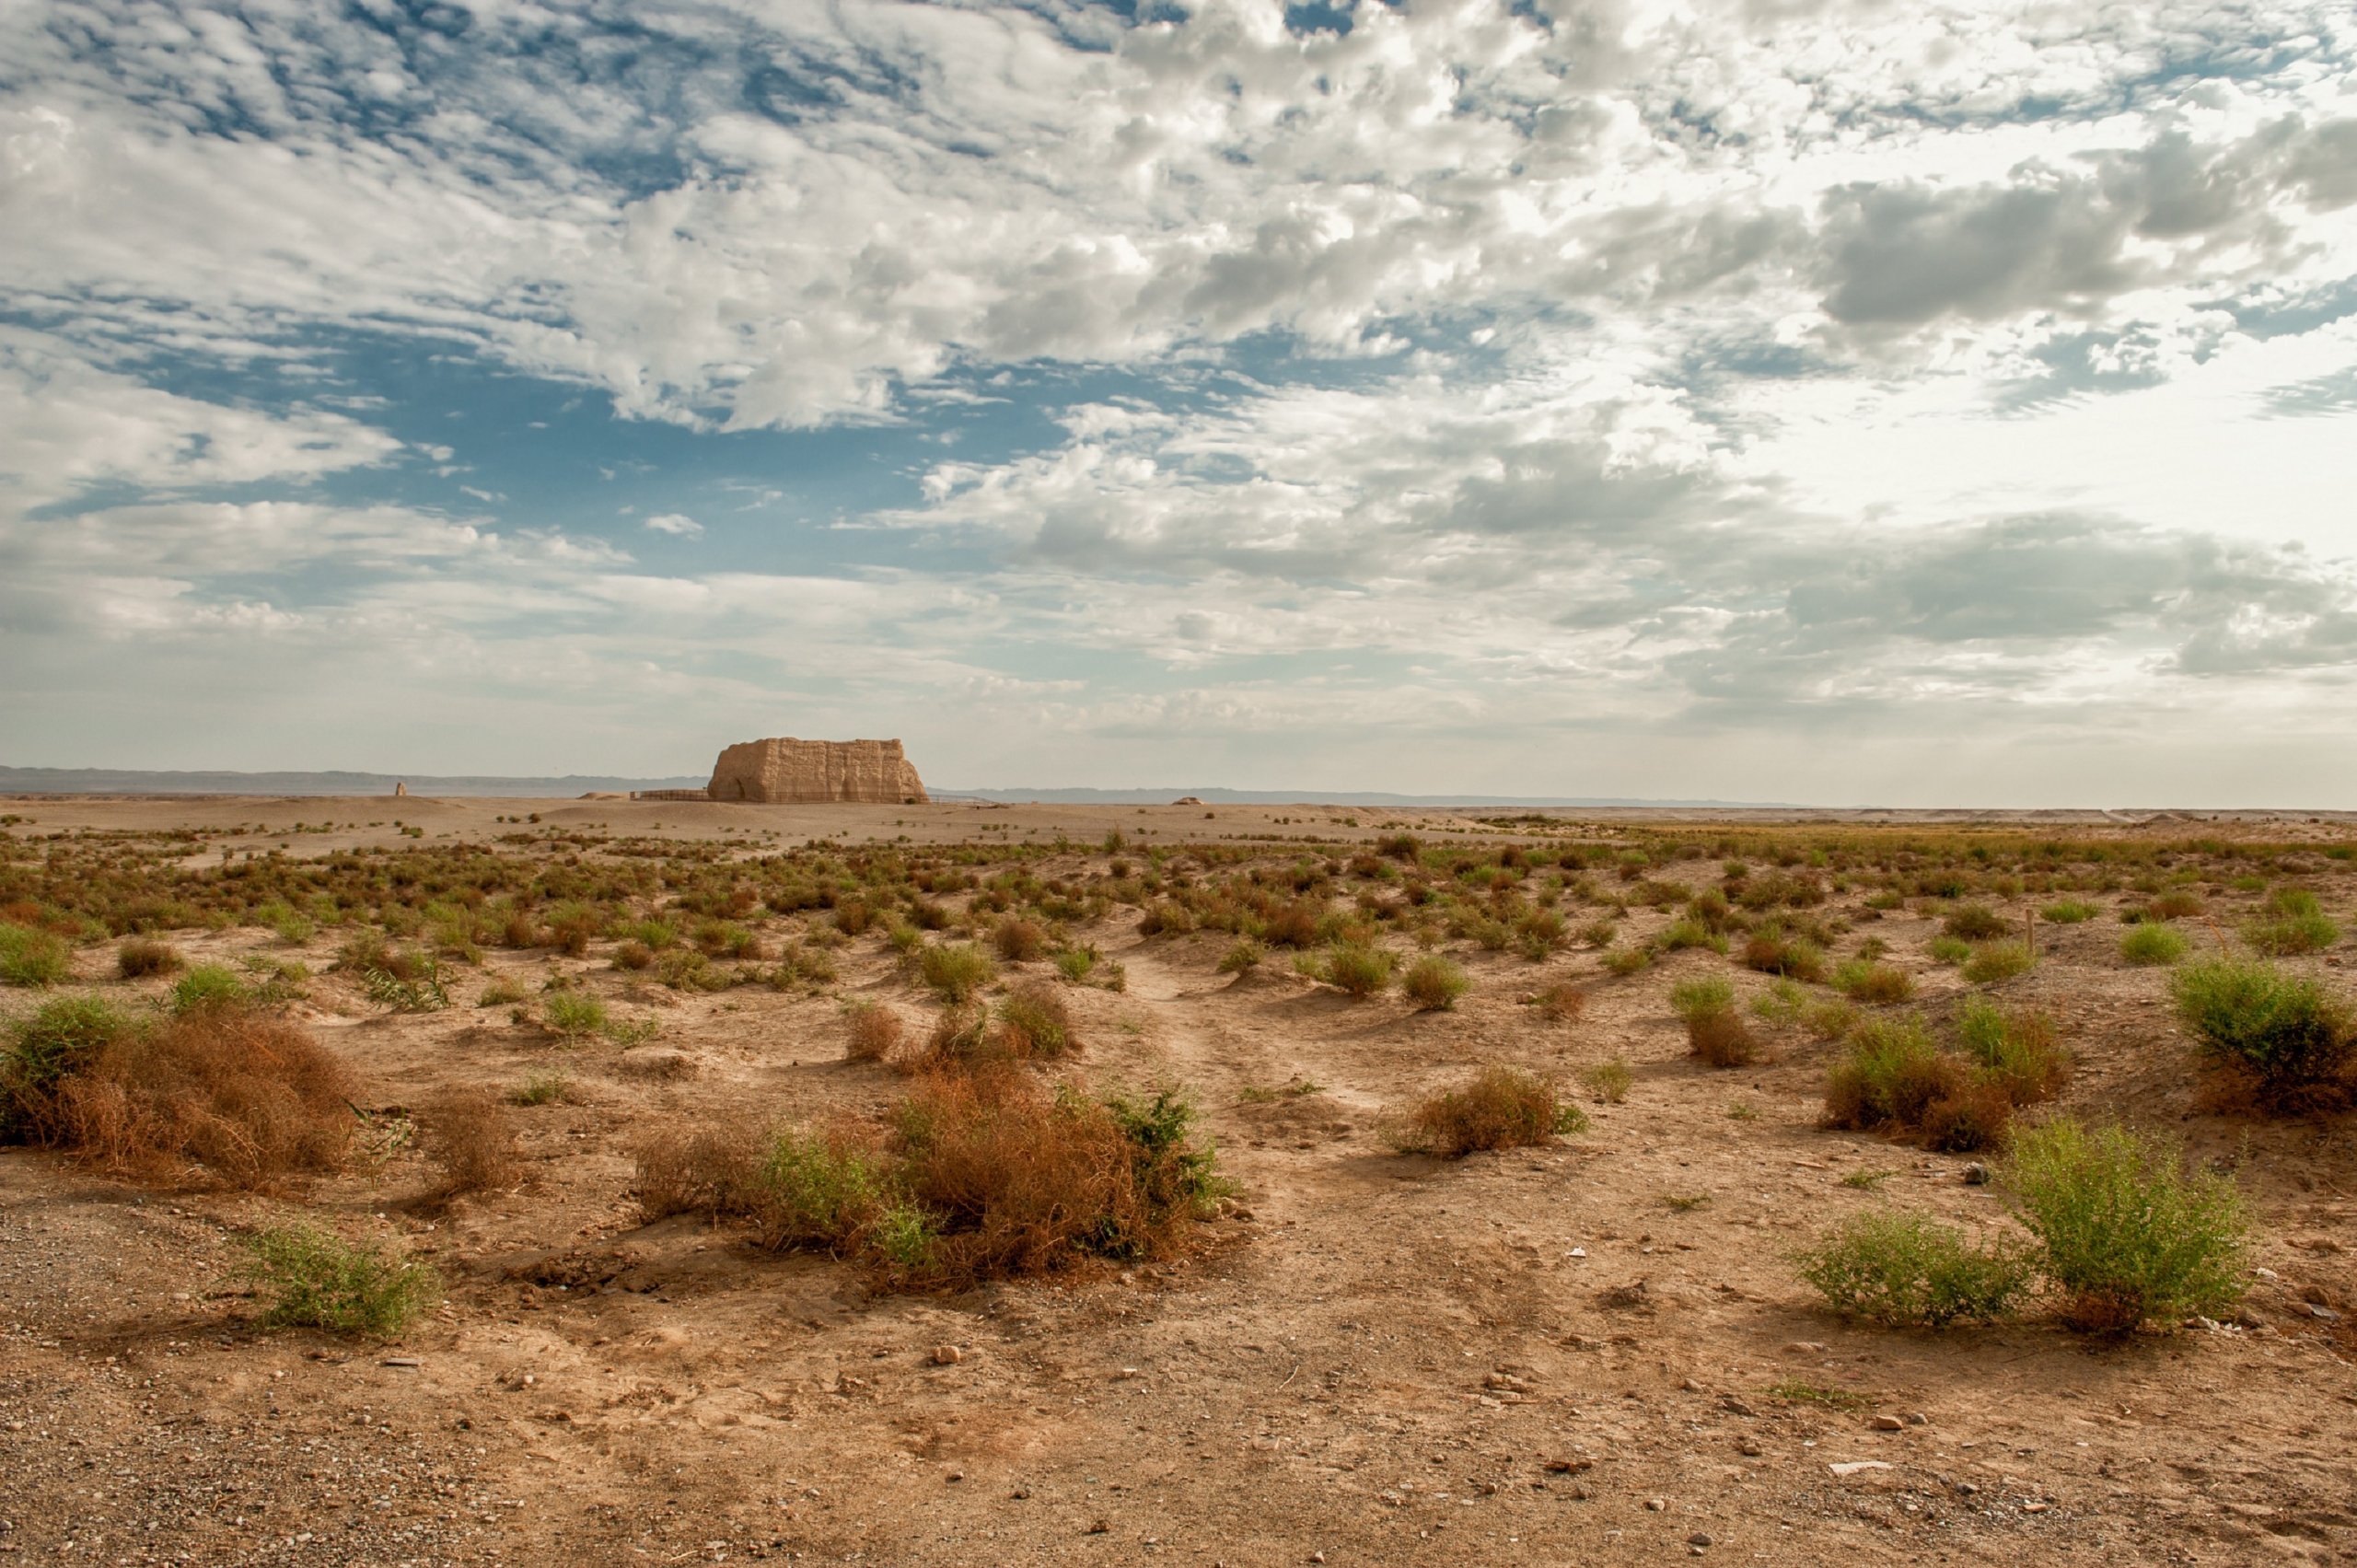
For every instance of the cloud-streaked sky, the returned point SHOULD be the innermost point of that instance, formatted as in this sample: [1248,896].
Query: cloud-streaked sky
[1829,402]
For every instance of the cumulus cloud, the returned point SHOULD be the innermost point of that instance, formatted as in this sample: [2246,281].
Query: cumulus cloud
[1553,369]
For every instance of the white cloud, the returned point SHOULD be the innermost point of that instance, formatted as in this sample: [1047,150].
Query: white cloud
[676,523]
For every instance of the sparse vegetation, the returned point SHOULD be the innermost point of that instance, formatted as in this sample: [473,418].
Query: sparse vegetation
[1245,953]
[2294,922]
[1975,922]
[1714,1031]
[573,1014]
[473,1143]
[2067,911]
[1358,970]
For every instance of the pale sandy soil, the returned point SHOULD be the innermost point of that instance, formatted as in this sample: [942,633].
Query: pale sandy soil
[1379,1365]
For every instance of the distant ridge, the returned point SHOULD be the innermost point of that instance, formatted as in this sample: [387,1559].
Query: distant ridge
[1325,798]
[130,781]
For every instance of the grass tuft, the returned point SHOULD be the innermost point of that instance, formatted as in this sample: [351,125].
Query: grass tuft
[2280,1035]
[317,1280]
[1903,1271]
[2150,945]
[145,956]
[33,957]
[1434,983]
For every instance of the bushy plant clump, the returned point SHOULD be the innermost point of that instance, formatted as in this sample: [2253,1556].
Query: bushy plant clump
[2126,1233]
[1903,1271]
[2278,1034]
[314,1280]
[33,957]
[1434,983]
[2148,946]
[1502,1107]
[2294,922]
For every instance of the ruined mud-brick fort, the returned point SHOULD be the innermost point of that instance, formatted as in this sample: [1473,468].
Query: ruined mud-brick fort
[786,771]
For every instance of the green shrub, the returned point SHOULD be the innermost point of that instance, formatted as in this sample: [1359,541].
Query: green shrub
[1903,1271]
[1863,980]
[1688,933]
[2282,1032]
[2017,1050]
[545,1088]
[33,957]
[1173,1175]
[1771,951]
[1975,922]
[1608,1081]
[1034,1021]
[818,1191]
[1245,953]
[654,935]
[1950,950]
[1358,970]
[1994,962]
[1625,962]
[317,1281]
[1893,1073]
[1435,982]
[63,1032]
[2067,911]
[1700,997]
[2294,922]
[2125,1232]
[2146,946]
[1074,963]
[573,1014]
[208,985]
[957,969]
[291,924]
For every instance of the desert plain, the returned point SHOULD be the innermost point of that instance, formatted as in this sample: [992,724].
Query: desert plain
[1595,1349]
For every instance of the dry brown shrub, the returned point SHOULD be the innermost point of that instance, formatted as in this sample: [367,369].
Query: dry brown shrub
[519,930]
[1295,926]
[712,1167]
[874,1032]
[1032,1022]
[1974,1118]
[960,1037]
[1721,1039]
[145,956]
[252,1098]
[1561,1002]
[474,1140]
[1020,1181]
[1502,1107]
[1020,941]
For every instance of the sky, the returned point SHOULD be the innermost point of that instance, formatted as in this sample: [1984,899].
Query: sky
[1833,403]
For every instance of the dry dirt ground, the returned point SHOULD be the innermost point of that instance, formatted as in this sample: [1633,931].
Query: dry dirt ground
[1531,1358]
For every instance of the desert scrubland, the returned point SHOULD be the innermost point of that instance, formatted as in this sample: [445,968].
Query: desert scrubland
[421,1181]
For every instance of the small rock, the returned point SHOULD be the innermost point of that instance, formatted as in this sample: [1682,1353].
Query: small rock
[1917,1418]
[1700,1537]
[1317,1557]
[1656,1506]
[2266,1274]
[1966,1489]
[1735,1406]
[1099,1529]
[1887,1424]
[2326,1313]
[1749,1447]
[954,1475]
[1569,1466]
[947,1355]
[1806,1347]
[1857,1467]
[1018,1494]
[1975,1175]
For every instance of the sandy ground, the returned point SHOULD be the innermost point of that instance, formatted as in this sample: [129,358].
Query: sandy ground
[1533,1358]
